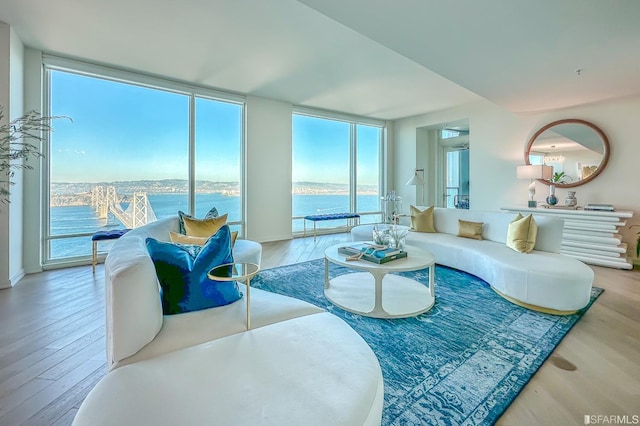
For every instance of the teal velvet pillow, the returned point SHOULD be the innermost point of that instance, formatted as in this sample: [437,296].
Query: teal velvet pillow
[182,273]
[211,213]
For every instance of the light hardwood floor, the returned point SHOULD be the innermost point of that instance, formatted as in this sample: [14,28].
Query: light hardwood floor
[52,349]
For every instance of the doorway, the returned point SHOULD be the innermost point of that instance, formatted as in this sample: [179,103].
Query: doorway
[453,165]
[456,177]
[442,150]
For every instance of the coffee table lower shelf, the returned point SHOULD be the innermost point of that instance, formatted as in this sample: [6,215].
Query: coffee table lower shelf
[398,297]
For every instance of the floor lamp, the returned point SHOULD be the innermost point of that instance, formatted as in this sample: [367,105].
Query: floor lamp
[416,180]
[534,172]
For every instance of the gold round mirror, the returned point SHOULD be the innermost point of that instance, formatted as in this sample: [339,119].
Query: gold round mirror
[576,149]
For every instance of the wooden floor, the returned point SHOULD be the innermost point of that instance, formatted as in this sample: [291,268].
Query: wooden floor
[52,349]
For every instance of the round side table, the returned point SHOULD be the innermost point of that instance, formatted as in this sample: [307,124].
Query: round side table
[240,271]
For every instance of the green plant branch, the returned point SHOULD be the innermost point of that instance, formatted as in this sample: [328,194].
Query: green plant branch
[20,140]
[559,177]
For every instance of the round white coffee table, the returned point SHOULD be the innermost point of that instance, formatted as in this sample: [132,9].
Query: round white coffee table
[377,293]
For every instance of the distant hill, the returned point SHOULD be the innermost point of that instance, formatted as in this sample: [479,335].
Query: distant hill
[79,193]
[150,186]
[319,188]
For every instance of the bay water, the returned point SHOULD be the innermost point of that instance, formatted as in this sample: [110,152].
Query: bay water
[83,219]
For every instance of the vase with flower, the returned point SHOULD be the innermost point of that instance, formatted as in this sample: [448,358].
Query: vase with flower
[558,177]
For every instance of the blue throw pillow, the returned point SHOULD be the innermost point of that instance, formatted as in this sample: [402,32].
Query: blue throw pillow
[182,273]
[211,213]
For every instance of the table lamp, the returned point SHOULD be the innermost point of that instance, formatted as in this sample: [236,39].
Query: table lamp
[534,172]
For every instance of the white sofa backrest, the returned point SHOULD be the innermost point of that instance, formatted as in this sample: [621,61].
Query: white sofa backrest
[496,225]
[133,306]
[549,233]
[159,229]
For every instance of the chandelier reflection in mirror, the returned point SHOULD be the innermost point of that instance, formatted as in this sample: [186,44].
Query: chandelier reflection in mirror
[553,159]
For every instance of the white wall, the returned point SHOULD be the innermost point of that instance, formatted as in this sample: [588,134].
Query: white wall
[16,94]
[5,54]
[16,224]
[11,98]
[497,140]
[32,231]
[268,169]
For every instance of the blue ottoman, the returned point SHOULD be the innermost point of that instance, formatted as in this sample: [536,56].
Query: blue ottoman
[113,234]
[331,216]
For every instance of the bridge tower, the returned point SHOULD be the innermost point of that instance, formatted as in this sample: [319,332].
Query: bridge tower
[111,200]
[99,201]
[141,209]
[138,213]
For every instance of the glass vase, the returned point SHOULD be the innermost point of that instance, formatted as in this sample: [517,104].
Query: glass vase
[397,237]
[381,235]
[552,200]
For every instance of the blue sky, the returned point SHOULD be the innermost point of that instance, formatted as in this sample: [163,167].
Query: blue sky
[126,132]
[321,151]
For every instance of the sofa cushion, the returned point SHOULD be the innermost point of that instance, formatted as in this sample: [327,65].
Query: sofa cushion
[203,227]
[181,215]
[182,273]
[272,375]
[522,233]
[422,220]
[468,229]
[185,330]
[178,238]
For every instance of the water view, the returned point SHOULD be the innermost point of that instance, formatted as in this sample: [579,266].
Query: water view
[77,219]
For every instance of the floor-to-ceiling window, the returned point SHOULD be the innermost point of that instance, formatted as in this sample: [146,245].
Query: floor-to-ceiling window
[133,152]
[368,172]
[218,158]
[337,168]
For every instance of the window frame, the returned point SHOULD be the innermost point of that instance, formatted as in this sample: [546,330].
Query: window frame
[55,63]
[353,121]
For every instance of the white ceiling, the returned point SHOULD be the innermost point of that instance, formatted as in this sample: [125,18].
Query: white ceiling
[368,57]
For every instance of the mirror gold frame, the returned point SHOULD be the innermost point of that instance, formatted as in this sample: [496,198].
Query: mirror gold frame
[596,129]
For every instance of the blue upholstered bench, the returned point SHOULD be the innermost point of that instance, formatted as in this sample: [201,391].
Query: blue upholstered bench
[331,216]
[113,234]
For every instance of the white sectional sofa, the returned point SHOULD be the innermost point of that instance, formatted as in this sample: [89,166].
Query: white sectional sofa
[297,365]
[543,280]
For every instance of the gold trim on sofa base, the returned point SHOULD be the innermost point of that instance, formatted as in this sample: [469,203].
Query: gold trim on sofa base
[534,307]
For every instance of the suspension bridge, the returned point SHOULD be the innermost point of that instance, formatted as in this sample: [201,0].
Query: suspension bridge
[105,200]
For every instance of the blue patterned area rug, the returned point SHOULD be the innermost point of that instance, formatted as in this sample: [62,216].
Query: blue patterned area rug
[461,363]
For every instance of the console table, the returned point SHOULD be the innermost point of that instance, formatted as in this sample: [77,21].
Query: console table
[589,236]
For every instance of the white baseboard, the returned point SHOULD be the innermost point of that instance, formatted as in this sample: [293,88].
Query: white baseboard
[270,238]
[15,279]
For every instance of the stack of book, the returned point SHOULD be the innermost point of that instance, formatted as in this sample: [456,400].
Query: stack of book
[372,253]
[600,207]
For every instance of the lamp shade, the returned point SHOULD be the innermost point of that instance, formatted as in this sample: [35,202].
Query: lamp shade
[415,180]
[530,171]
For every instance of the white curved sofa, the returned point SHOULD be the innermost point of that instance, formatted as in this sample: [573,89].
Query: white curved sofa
[543,280]
[205,366]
